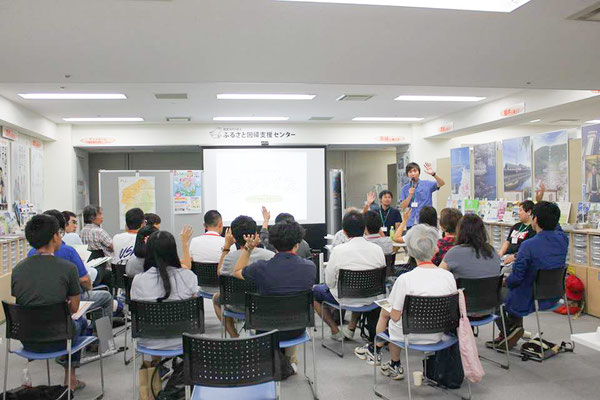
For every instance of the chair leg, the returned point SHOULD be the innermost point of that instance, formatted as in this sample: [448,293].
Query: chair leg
[407,366]
[223,331]
[537,318]
[505,332]
[569,319]
[188,394]
[6,350]
[340,354]
[48,370]
[316,392]
[342,330]
[322,325]
[69,369]
[125,361]
[134,345]
[101,378]
[378,394]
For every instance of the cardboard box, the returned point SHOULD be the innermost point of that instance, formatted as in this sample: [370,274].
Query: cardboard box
[592,291]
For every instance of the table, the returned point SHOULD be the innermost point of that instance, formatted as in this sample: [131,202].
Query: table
[589,339]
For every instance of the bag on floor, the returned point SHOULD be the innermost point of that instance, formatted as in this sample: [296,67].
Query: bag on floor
[149,381]
[445,367]
[175,388]
[468,347]
[542,350]
[36,393]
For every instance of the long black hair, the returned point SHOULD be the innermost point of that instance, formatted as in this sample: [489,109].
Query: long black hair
[471,232]
[139,249]
[161,252]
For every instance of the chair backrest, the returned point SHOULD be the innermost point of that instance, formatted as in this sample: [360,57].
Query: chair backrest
[361,284]
[231,362]
[206,273]
[423,314]
[316,258]
[128,282]
[118,271]
[287,312]
[38,323]
[167,319]
[549,283]
[390,261]
[233,291]
[481,294]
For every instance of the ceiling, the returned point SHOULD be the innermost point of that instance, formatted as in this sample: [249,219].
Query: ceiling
[142,47]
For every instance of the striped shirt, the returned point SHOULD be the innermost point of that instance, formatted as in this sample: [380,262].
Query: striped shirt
[96,238]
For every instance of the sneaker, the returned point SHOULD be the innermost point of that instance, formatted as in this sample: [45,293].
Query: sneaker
[495,343]
[337,336]
[373,358]
[294,367]
[395,372]
[514,336]
[361,351]
[348,333]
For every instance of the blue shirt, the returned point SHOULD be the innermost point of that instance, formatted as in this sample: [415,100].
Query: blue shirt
[67,253]
[283,274]
[546,250]
[422,197]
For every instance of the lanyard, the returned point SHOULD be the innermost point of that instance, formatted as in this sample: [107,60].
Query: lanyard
[522,230]
[386,215]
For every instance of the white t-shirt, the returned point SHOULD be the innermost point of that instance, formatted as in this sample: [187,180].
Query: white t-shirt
[207,248]
[358,255]
[123,244]
[148,287]
[421,281]
[72,239]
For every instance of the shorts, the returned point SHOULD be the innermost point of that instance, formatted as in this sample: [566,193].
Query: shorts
[322,293]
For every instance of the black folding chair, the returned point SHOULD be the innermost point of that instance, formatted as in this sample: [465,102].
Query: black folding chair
[316,259]
[355,285]
[233,293]
[164,320]
[482,295]
[242,368]
[207,278]
[422,315]
[285,313]
[119,280]
[40,324]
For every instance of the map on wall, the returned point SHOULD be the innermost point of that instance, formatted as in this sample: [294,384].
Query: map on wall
[187,192]
[551,165]
[484,170]
[591,163]
[134,192]
[460,177]
[516,157]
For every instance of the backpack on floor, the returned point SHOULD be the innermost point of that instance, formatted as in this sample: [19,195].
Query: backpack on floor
[175,388]
[536,349]
[36,393]
[445,367]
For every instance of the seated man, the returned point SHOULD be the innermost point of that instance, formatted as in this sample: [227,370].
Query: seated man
[390,215]
[207,247]
[71,237]
[303,249]
[546,250]
[98,241]
[357,254]
[286,273]
[45,279]
[123,243]
[374,234]
[240,227]
[519,232]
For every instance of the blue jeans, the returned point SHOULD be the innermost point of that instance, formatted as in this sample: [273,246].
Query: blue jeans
[101,298]
[79,326]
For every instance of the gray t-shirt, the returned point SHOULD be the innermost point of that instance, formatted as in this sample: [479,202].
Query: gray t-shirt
[231,258]
[134,266]
[463,263]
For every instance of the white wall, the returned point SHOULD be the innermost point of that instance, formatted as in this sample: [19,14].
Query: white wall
[60,171]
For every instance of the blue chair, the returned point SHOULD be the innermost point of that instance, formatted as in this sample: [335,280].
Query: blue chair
[207,277]
[355,285]
[232,369]
[482,295]
[285,313]
[423,315]
[40,324]
[233,293]
[164,320]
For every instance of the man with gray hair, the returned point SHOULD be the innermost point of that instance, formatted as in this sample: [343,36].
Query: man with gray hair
[425,280]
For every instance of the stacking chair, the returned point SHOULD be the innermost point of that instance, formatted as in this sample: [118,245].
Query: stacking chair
[316,259]
[390,261]
[43,324]
[233,293]
[164,320]
[207,277]
[483,295]
[355,285]
[424,315]
[119,281]
[232,369]
[550,284]
[296,311]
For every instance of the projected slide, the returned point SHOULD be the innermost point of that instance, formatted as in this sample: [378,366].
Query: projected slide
[241,181]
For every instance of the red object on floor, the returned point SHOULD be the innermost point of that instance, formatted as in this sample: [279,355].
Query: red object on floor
[563,310]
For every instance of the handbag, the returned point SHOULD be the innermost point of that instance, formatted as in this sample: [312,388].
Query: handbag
[468,347]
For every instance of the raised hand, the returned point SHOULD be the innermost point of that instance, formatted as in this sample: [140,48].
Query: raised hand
[266,214]
[428,168]
[252,241]
[186,233]
[229,239]
[370,198]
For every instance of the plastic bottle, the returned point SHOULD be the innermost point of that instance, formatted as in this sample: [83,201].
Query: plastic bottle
[392,232]
[26,380]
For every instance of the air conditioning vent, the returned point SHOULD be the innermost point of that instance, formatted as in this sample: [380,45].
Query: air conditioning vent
[354,97]
[171,96]
[179,119]
[320,118]
[589,14]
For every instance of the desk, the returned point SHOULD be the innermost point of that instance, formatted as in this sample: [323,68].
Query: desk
[589,339]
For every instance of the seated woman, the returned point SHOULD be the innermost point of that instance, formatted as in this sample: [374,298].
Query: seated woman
[164,279]
[135,264]
[425,280]
[449,218]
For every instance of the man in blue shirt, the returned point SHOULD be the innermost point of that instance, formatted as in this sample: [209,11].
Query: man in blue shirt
[546,250]
[417,193]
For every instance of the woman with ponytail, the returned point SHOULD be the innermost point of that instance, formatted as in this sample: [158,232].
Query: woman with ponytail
[164,279]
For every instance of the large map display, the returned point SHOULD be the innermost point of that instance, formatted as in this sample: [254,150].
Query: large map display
[136,192]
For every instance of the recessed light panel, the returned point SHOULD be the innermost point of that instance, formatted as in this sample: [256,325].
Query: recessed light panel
[504,6]
[594,121]
[264,96]
[73,96]
[240,119]
[439,98]
[104,119]
[387,119]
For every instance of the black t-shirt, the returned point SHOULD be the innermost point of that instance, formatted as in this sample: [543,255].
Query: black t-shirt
[388,217]
[43,279]
[517,235]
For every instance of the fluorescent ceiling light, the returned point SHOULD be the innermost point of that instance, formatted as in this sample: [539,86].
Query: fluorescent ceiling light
[73,96]
[535,120]
[251,118]
[264,96]
[505,6]
[105,119]
[594,121]
[438,98]
[387,119]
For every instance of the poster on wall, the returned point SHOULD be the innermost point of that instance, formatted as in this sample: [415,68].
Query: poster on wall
[484,170]
[187,192]
[37,177]
[20,171]
[551,165]
[516,159]
[591,163]
[4,174]
[460,177]
[136,191]
[336,200]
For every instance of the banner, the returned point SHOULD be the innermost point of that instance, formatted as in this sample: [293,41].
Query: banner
[460,177]
[187,192]
[516,159]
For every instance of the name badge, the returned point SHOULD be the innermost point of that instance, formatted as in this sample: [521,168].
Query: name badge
[414,204]
[515,240]
[384,228]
